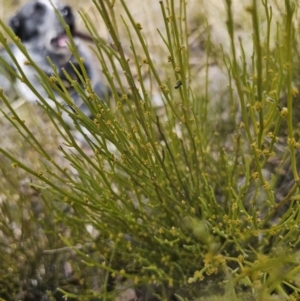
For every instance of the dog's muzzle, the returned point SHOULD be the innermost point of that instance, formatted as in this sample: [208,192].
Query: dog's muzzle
[60,41]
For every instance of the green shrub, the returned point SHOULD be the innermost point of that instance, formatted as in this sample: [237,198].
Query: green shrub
[181,202]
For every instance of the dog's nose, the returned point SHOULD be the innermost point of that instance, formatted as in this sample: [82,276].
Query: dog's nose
[67,14]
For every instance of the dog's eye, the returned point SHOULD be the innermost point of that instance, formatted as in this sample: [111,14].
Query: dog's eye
[39,8]
[66,11]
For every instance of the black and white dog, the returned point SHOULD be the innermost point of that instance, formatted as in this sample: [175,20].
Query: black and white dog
[41,32]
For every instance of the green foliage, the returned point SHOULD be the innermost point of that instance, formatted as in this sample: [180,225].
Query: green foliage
[177,201]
